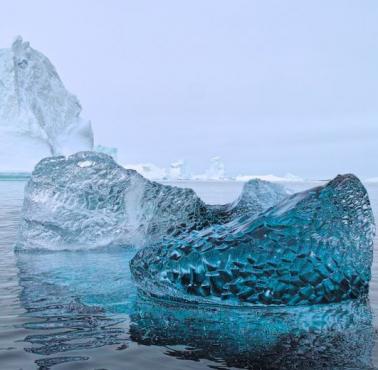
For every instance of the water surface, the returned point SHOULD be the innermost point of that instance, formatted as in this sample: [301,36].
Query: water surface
[80,310]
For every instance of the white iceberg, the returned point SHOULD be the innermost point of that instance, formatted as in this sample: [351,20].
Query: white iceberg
[215,172]
[272,178]
[148,170]
[113,152]
[179,170]
[38,116]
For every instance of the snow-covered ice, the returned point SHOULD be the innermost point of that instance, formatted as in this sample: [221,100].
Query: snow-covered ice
[272,178]
[148,170]
[113,152]
[179,170]
[38,116]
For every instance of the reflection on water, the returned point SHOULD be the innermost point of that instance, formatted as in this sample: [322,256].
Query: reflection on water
[339,335]
[81,311]
[67,296]
[79,301]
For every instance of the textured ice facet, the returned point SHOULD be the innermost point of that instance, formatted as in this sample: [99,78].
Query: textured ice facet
[313,247]
[38,116]
[87,201]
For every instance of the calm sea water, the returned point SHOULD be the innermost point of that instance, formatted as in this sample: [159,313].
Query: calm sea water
[80,310]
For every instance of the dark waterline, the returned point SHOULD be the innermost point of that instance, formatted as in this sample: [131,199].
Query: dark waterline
[80,310]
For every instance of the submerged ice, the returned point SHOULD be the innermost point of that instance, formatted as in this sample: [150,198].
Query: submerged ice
[70,309]
[38,116]
[312,247]
[87,201]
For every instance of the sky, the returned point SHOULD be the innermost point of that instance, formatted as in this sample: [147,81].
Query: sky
[269,86]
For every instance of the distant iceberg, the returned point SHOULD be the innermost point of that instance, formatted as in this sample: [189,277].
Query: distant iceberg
[372,180]
[216,171]
[148,170]
[113,152]
[179,170]
[38,116]
[272,178]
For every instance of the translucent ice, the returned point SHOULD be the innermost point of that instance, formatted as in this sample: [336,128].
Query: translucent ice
[313,247]
[38,116]
[87,201]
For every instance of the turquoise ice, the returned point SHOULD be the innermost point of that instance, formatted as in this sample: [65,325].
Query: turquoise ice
[312,247]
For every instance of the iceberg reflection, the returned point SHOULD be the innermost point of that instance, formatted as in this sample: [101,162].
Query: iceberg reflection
[79,301]
[333,336]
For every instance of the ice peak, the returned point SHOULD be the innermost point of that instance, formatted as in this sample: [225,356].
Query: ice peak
[38,116]
[20,45]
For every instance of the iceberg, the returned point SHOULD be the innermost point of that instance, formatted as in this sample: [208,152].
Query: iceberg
[38,116]
[215,172]
[113,152]
[178,170]
[272,178]
[312,247]
[88,201]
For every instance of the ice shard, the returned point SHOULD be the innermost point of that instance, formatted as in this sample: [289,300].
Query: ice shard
[313,247]
[38,116]
[88,201]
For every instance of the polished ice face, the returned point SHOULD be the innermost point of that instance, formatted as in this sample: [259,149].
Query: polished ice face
[38,116]
[88,201]
[312,247]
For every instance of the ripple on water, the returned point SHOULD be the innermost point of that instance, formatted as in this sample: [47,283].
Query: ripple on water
[81,311]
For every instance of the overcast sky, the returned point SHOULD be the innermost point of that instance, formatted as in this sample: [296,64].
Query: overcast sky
[270,86]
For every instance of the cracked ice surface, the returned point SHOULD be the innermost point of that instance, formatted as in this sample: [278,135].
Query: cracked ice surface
[312,247]
[88,201]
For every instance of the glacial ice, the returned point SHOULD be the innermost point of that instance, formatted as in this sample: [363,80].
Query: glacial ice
[179,170]
[88,201]
[148,170]
[312,247]
[289,177]
[215,172]
[113,152]
[38,116]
